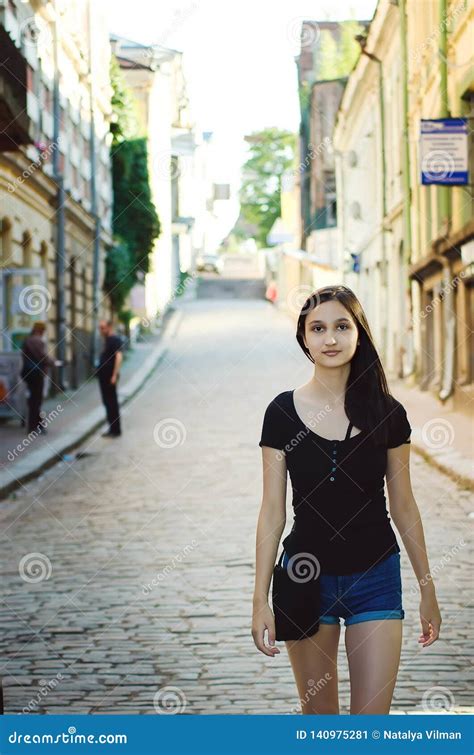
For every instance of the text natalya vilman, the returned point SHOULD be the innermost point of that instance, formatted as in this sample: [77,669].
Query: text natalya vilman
[429,734]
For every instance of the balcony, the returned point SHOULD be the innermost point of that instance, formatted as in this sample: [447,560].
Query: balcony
[14,120]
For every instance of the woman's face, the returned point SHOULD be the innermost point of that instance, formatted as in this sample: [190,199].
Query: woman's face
[329,328]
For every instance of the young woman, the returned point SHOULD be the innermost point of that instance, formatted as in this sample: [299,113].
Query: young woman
[338,436]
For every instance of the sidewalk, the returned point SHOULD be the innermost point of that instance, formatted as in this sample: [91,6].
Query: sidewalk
[443,437]
[76,414]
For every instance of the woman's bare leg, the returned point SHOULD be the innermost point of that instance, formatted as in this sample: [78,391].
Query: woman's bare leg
[314,663]
[373,652]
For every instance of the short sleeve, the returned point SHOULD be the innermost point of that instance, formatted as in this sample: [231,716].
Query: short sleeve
[399,426]
[272,427]
[118,345]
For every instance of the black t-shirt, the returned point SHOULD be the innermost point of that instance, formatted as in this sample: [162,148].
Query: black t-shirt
[107,358]
[340,512]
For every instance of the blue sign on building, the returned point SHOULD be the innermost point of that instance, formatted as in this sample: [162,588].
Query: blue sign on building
[444,151]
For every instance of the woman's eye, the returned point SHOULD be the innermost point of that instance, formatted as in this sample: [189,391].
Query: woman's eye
[318,327]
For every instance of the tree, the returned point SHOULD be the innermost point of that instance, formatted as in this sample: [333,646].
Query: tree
[337,58]
[272,152]
[134,215]
[135,222]
[119,277]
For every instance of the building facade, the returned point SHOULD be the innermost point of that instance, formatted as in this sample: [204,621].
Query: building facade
[55,179]
[368,145]
[413,242]
[440,65]
[155,77]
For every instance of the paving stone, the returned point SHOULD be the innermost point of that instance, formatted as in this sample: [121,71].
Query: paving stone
[136,513]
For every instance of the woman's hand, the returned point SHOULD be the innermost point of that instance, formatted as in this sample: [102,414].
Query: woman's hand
[263,619]
[430,618]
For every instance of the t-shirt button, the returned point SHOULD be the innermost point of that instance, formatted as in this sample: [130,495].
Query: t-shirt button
[333,469]
[332,479]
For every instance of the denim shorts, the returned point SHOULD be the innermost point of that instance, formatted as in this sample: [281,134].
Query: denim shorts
[375,593]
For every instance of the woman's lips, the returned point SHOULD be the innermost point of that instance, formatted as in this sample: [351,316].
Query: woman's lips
[331,353]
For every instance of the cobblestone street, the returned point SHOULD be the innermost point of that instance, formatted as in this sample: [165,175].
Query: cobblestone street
[128,573]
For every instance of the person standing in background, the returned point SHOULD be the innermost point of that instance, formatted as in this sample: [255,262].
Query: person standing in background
[35,364]
[108,373]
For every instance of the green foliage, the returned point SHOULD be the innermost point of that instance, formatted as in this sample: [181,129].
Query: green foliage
[119,277]
[124,123]
[135,221]
[134,216]
[304,92]
[337,59]
[272,152]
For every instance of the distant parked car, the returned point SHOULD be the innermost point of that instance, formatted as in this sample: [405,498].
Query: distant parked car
[211,263]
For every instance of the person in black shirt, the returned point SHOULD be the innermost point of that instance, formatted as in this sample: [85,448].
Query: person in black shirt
[108,373]
[36,362]
[339,437]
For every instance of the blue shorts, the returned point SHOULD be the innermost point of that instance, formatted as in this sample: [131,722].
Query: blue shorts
[375,593]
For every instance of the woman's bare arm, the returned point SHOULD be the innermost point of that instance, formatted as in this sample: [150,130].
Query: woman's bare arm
[270,526]
[406,515]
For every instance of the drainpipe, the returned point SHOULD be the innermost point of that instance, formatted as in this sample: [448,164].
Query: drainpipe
[407,234]
[362,40]
[444,207]
[60,223]
[444,196]
[94,203]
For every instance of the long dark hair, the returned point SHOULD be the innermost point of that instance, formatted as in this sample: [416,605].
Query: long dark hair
[368,401]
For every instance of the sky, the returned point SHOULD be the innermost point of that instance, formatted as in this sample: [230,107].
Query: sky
[238,58]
